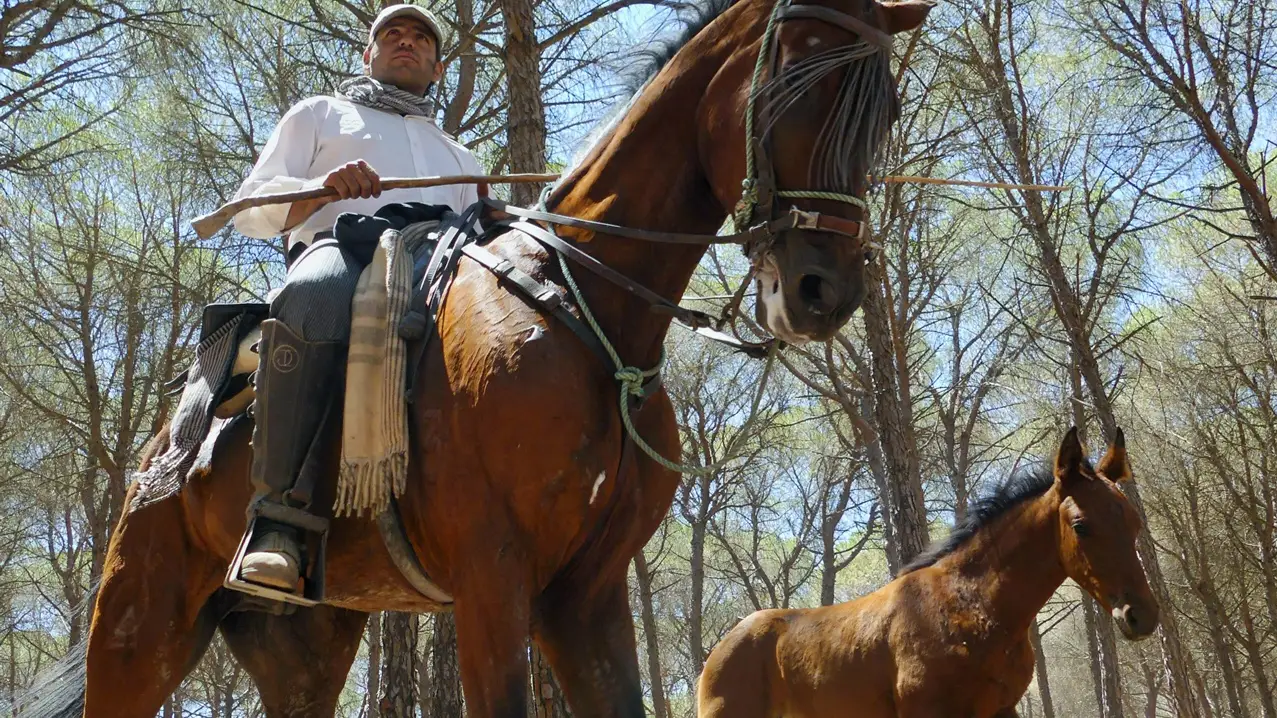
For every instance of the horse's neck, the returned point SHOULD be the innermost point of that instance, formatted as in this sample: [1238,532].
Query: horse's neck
[1013,566]
[646,174]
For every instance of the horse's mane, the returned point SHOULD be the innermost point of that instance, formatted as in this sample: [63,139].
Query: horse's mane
[692,17]
[1026,483]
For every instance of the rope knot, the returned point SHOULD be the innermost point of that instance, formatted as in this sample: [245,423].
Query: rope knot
[631,379]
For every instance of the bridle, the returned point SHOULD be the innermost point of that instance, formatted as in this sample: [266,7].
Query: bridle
[758,210]
[758,189]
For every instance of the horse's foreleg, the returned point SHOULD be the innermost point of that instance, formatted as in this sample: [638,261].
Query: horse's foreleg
[492,647]
[152,619]
[590,645]
[298,662]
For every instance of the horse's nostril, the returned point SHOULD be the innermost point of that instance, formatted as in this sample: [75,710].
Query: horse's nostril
[817,293]
[1133,619]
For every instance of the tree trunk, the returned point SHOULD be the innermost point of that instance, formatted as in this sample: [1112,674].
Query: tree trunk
[1093,651]
[545,698]
[878,469]
[1113,706]
[445,686]
[1039,665]
[696,569]
[644,579]
[909,514]
[399,665]
[467,63]
[373,634]
[525,116]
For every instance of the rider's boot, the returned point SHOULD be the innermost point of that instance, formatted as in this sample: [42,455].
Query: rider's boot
[293,382]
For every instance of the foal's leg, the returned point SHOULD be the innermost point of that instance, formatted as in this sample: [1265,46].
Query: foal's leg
[299,662]
[152,619]
[590,645]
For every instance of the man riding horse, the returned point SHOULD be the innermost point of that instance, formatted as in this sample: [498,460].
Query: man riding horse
[382,119]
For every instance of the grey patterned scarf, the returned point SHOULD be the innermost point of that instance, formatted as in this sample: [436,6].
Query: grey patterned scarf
[368,92]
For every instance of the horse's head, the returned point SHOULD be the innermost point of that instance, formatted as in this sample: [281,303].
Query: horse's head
[1097,527]
[822,102]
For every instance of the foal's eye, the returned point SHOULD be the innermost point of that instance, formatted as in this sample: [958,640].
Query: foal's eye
[1081,529]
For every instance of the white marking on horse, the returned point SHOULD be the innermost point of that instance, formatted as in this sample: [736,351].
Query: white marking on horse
[597,483]
[771,292]
[813,41]
[535,332]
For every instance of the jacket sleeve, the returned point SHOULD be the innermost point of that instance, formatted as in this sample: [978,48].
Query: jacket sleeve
[283,166]
[469,192]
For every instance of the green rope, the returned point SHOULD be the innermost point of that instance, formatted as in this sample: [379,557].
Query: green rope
[749,190]
[632,378]
[818,194]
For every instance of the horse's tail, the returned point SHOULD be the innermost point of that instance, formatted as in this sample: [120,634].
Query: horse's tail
[58,692]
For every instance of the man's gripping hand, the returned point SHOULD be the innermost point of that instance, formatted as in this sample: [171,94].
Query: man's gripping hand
[354,179]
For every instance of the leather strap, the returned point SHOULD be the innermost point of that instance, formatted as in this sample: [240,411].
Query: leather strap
[851,24]
[545,296]
[760,232]
[698,322]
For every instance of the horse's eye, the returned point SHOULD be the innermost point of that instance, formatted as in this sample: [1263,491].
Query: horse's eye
[1081,529]
[869,256]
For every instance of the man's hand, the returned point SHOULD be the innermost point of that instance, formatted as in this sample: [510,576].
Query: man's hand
[354,179]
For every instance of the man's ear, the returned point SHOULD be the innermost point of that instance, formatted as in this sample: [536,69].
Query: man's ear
[367,57]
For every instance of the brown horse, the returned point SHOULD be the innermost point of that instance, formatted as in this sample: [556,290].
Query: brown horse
[949,637]
[521,503]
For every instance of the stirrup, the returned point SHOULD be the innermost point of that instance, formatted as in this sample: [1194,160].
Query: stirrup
[313,543]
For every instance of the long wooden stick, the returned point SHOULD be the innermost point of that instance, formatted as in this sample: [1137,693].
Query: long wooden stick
[209,224]
[908,179]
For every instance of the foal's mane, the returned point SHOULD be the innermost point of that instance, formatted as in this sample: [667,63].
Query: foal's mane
[1026,483]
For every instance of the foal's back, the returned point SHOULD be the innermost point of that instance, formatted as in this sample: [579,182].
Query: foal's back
[806,663]
[899,651]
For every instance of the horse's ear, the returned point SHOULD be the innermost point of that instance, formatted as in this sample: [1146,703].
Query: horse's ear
[1068,460]
[905,15]
[1115,466]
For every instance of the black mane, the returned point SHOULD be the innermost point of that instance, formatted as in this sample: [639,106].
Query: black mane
[692,18]
[1026,483]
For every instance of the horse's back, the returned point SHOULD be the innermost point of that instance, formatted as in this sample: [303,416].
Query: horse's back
[741,676]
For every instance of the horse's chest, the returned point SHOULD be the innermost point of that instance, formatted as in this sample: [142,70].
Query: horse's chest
[995,676]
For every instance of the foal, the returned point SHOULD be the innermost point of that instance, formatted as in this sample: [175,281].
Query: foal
[949,637]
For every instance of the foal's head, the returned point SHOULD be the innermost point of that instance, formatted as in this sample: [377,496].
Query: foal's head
[1097,527]
[826,100]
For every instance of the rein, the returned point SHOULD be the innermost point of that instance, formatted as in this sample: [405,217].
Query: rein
[758,192]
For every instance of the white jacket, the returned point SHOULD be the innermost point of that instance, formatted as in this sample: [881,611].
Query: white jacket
[320,134]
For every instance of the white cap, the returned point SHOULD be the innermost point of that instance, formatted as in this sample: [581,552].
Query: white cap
[415,11]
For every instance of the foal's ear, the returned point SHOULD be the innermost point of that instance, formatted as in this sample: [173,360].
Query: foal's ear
[1115,466]
[905,15]
[1069,459]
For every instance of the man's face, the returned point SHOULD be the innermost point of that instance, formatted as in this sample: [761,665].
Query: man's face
[403,54]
